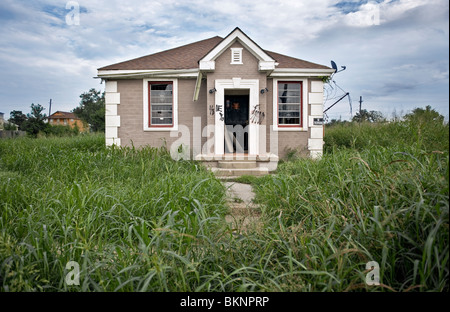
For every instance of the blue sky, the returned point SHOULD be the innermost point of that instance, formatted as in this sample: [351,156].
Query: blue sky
[396,52]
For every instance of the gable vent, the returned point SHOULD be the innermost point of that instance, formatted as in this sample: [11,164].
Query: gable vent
[236,55]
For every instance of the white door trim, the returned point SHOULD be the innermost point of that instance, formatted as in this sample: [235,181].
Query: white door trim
[253,132]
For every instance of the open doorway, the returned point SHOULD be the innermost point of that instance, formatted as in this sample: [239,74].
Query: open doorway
[236,121]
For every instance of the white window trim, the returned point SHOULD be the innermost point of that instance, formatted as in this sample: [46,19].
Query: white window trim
[304,101]
[233,52]
[175,105]
[221,86]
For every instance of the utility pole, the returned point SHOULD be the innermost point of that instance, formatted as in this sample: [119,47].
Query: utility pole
[49,110]
[360,104]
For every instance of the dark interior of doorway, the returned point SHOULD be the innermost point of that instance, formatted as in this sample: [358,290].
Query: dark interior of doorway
[237,113]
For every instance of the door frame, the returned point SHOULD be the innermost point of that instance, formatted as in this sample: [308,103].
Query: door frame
[219,128]
[242,99]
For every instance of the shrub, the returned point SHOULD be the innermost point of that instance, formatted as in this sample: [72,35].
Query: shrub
[61,130]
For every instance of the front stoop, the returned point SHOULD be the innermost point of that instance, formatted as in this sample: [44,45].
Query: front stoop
[227,172]
[234,166]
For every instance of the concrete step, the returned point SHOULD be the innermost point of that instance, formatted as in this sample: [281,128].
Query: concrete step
[224,172]
[237,164]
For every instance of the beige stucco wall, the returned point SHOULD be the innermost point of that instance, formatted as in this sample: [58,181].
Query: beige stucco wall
[287,140]
[247,70]
[130,111]
[131,132]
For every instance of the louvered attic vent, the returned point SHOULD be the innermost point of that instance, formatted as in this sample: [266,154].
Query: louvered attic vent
[236,55]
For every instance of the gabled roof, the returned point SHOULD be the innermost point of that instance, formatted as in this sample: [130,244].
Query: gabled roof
[63,115]
[189,56]
[285,61]
[184,57]
[266,62]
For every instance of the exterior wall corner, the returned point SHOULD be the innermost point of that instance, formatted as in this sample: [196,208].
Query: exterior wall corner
[112,119]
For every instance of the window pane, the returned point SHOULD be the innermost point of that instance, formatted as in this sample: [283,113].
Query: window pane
[288,86]
[161,121]
[289,114]
[161,103]
[289,121]
[288,107]
[283,99]
[289,103]
[161,114]
[164,86]
[162,107]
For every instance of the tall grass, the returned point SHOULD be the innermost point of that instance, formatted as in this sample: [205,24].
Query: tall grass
[428,136]
[135,220]
[351,208]
[372,197]
[125,215]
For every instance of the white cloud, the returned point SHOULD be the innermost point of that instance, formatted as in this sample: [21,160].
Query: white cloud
[402,58]
[368,15]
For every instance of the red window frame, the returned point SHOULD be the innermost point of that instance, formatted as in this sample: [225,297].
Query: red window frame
[150,105]
[300,125]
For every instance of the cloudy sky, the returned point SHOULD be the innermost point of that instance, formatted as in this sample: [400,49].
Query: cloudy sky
[396,52]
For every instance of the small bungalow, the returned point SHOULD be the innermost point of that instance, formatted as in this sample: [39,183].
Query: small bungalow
[224,101]
[66,119]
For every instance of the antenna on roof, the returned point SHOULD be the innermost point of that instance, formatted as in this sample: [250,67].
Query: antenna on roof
[334,66]
[333,97]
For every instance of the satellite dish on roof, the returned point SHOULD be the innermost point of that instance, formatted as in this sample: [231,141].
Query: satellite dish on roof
[334,66]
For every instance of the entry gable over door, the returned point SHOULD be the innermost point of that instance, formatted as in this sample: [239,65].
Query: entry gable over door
[266,62]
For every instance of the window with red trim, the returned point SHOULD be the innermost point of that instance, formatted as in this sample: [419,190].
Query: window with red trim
[290,103]
[160,95]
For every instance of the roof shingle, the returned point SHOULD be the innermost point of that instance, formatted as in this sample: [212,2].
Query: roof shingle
[63,115]
[188,56]
[184,57]
[285,61]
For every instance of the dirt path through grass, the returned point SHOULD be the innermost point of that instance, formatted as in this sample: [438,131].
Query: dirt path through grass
[244,213]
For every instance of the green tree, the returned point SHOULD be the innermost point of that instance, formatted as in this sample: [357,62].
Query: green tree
[426,127]
[92,109]
[365,115]
[423,116]
[18,118]
[35,121]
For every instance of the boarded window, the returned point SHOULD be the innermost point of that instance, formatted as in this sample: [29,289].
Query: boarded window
[289,103]
[161,104]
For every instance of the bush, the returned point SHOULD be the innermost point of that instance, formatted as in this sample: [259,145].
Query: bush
[9,126]
[60,130]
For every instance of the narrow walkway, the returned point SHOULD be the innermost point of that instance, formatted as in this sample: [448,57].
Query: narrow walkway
[244,213]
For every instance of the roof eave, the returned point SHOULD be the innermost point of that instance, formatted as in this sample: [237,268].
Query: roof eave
[296,72]
[132,74]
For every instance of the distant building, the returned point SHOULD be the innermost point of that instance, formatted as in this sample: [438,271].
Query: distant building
[2,120]
[66,119]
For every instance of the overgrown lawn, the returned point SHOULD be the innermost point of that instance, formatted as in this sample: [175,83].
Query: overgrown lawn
[136,220]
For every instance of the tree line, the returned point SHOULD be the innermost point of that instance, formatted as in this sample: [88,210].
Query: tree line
[91,111]
[417,115]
